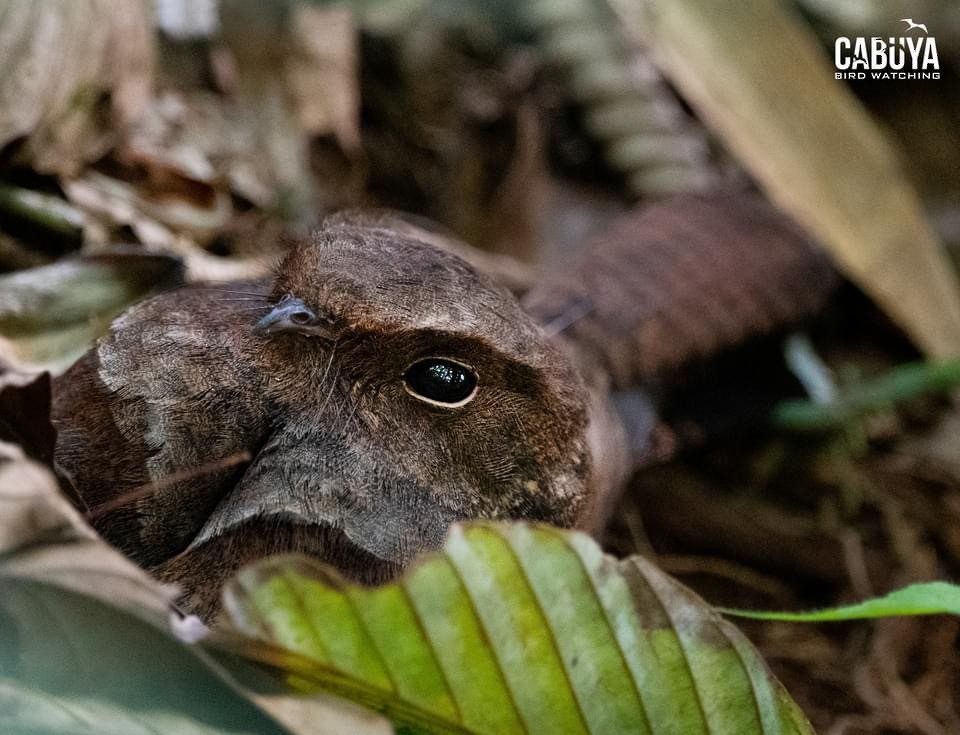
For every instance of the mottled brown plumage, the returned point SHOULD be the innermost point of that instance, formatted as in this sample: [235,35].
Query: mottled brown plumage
[293,395]
[344,457]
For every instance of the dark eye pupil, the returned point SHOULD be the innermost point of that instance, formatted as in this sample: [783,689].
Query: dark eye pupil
[443,381]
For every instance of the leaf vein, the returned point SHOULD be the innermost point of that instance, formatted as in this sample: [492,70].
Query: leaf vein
[698,695]
[546,624]
[493,651]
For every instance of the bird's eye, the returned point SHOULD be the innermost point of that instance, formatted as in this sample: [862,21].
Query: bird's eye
[302,317]
[441,382]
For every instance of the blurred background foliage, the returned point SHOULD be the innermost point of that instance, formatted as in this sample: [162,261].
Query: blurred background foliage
[199,135]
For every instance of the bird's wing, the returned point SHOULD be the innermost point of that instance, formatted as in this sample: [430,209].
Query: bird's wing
[151,405]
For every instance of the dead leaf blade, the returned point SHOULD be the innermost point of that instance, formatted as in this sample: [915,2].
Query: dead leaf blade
[755,74]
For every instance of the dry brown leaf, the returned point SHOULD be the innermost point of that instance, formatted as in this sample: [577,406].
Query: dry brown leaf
[25,414]
[155,219]
[755,74]
[252,145]
[45,543]
[167,227]
[43,538]
[323,72]
[59,60]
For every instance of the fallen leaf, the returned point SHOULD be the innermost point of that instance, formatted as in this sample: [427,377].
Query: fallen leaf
[25,415]
[50,315]
[514,628]
[123,203]
[756,75]
[83,647]
[323,72]
[60,61]
[50,212]
[923,598]
[85,638]
[44,541]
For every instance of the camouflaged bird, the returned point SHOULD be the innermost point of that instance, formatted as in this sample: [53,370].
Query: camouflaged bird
[380,387]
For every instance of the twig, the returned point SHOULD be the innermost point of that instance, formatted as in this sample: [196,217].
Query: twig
[150,488]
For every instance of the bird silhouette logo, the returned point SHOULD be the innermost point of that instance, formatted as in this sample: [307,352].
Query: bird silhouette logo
[911,25]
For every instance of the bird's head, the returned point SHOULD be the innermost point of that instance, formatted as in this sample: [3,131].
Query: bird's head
[407,391]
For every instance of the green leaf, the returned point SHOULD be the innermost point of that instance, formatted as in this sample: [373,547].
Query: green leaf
[50,212]
[85,646]
[882,393]
[924,598]
[72,664]
[37,713]
[514,628]
[50,315]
